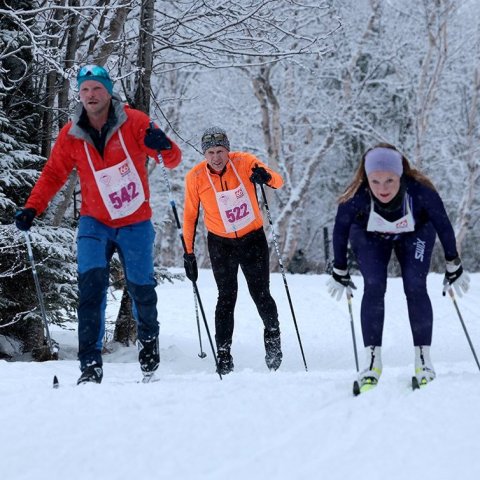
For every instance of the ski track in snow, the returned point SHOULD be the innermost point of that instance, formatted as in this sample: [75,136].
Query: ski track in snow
[253,424]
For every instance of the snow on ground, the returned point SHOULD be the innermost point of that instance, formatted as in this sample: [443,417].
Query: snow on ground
[253,424]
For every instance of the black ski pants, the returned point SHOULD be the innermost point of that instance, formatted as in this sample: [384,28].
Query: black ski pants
[251,253]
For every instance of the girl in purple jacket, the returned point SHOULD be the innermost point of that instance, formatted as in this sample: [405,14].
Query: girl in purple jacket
[390,206]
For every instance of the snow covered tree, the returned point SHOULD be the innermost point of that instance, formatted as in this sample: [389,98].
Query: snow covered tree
[20,163]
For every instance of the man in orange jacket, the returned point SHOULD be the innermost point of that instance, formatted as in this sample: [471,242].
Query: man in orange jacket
[108,143]
[224,185]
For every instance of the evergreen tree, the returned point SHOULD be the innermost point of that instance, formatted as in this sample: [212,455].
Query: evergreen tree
[19,168]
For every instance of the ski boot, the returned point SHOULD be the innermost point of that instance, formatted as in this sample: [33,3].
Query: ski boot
[424,371]
[92,373]
[273,348]
[149,357]
[369,376]
[225,361]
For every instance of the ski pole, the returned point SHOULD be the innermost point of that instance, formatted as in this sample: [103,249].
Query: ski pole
[275,242]
[202,354]
[180,234]
[53,348]
[452,296]
[349,300]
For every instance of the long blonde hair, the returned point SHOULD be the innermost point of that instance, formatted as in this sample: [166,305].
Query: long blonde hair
[360,176]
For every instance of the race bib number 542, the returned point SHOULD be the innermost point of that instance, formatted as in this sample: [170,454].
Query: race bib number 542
[123,196]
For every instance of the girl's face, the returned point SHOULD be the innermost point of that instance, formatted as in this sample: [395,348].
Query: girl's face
[384,185]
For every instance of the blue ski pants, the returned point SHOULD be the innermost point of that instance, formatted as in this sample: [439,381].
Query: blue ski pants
[96,244]
[414,252]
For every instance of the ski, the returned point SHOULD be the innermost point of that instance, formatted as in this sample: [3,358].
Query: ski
[371,383]
[368,383]
[356,388]
[149,378]
[417,385]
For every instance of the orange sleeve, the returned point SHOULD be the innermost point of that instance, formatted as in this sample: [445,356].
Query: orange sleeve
[191,209]
[276,180]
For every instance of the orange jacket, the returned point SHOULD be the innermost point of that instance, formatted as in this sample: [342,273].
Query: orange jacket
[69,153]
[198,190]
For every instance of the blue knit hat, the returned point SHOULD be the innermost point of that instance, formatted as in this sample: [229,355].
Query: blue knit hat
[96,73]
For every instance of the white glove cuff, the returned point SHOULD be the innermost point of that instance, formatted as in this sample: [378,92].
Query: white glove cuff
[340,272]
[452,266]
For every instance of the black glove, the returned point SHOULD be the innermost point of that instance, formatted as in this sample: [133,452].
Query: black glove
[190,264]
[24,218]
[156,139]
[260,175]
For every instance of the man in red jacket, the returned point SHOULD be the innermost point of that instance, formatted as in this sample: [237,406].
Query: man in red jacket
[108,143]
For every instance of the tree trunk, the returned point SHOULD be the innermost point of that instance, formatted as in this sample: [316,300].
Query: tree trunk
[114,31]
[51,90]
[431,72]
[145,49]
[464,219]
[63,102]
[125,323]
[72,44]
[125,326]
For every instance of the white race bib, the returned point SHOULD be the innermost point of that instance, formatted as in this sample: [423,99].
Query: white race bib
[120,185]
[234,205]
[376,223]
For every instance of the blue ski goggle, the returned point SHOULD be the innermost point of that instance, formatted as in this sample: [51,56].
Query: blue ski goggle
[93,71]
[97,74]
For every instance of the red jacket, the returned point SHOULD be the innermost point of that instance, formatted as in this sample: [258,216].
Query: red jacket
[69,153]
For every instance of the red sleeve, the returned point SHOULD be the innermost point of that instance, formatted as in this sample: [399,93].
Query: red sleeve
[54,174]
[171,157]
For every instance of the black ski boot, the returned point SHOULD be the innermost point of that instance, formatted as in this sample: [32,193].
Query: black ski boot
[273,348]
[225,361]
[148,355]
[91,374]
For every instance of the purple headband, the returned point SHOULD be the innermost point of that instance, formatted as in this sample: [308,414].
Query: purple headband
[382,159]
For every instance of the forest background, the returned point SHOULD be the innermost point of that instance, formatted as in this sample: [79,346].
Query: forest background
[305,86]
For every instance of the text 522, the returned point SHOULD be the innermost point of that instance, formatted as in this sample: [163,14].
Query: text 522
[237,213]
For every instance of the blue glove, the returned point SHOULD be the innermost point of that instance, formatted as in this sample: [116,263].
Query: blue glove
[24,218]
[156,139]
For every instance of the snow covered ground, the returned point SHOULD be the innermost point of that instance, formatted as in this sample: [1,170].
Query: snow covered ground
[253,424]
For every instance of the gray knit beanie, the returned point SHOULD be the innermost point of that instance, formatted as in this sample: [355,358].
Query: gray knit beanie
[381,159]
[214,137]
